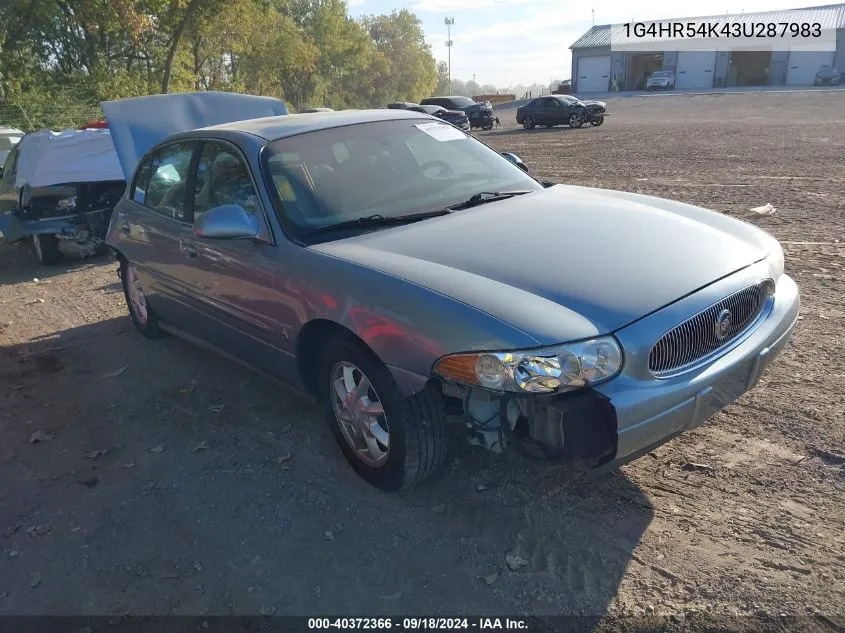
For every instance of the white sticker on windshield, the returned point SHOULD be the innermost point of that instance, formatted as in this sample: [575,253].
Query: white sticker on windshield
[441,131]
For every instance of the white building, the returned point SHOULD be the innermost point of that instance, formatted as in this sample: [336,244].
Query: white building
[598,68]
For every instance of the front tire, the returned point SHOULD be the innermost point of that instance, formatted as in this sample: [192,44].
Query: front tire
[528,123]
[393,442]
[597,121]
[46,248]
[576,120]
[145,319]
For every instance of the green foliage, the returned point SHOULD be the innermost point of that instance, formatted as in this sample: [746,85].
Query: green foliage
[60,58]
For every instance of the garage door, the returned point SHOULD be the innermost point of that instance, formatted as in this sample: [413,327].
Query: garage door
[593,74]
[803,66]
[695,69]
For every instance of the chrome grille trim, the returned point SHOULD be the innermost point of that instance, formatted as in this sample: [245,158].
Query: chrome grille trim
[694,341]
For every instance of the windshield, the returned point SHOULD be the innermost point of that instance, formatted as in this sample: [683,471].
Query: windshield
[388,168]
[662,73]
[462,102]
[568,100]
[8,142]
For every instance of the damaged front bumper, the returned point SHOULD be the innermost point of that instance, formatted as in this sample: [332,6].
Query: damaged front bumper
[618,421]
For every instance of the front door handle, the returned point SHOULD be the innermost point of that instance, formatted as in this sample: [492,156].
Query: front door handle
[124,227]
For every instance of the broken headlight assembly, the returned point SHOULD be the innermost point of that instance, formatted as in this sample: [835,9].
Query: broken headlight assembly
[545,370]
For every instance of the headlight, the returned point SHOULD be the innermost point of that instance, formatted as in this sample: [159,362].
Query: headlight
[775,261]
[545,370]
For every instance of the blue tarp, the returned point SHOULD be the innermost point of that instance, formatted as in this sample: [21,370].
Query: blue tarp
[139,123]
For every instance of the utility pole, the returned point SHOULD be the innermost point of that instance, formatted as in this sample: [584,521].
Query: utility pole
[594,17]
[449,22]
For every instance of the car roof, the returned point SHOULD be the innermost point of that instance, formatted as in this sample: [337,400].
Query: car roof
[276,127]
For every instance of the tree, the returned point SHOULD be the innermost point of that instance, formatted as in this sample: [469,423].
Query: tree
[60,58]
[400,38]
[443,87]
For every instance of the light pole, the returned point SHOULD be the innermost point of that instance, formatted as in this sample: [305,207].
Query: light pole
[449,22]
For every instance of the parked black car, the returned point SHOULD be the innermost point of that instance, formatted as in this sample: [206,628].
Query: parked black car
[480,113]
[827,76]
[560,110]
[455,117]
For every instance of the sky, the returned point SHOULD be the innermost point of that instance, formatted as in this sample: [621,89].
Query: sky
[505,42]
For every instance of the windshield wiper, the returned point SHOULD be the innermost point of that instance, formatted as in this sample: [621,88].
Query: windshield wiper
[379,220]
[486,196]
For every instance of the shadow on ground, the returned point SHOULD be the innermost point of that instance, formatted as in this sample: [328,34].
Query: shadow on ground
[19,264]
[153,478]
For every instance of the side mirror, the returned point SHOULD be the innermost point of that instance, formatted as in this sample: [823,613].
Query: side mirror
[547,183]
[227,222]
[516,160]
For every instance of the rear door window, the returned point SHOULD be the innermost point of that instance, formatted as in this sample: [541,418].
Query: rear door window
[161,181]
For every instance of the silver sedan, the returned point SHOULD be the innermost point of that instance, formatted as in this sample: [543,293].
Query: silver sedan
[399,270]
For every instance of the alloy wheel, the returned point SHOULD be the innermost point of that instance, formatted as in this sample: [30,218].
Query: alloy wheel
[137,298]
[360,413]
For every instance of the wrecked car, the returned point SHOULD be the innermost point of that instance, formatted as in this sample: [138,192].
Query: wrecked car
[399,271]
[59,189]
[9,137]
[458,118]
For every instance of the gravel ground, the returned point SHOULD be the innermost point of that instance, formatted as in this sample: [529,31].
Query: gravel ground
[143,477]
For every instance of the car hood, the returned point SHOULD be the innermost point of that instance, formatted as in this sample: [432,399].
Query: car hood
[483,107]
[139,123]
[592,103]
[566,262]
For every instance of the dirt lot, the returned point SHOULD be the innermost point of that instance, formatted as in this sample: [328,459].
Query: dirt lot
[168,481]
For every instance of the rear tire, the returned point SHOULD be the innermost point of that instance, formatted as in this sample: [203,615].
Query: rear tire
[46,248]
[413,426]
[145,319]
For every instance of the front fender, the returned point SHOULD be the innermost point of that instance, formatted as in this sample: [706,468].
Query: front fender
[408,326]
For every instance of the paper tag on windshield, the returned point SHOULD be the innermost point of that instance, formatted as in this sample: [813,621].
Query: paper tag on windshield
[441,131]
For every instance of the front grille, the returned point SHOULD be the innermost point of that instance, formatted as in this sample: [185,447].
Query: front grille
[701,336]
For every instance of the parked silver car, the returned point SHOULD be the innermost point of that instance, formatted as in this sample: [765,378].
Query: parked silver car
[661,80]
[396,269]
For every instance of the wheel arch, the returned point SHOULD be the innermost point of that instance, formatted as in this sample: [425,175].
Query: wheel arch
[310,342]
[308,351]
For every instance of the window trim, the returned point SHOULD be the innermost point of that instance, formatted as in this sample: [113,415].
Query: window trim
[189,210]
